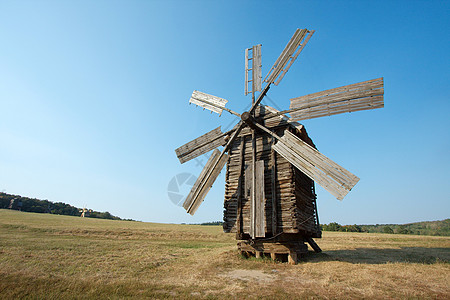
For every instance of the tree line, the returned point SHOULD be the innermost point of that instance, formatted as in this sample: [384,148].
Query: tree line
[441,228]
[17,202]
[419,228]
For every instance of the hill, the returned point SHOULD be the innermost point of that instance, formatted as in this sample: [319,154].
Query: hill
[441,228]
[438,228]
[17,202]
[46,256]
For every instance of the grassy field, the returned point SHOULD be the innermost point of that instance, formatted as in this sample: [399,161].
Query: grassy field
[54,257]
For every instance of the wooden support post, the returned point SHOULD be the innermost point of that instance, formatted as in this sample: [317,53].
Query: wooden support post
[253,189]
[239,195]
[292,258]
[258,254]
[313,245]
[273,256]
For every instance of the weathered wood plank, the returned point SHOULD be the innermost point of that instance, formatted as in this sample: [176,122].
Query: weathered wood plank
[199,190]
[253,188]
[346,106]
[246,73]
[314,245]
[209,182]
[372,84]
[309,170]
[240,188]
[294,208]
[274,190]
[260,200]
[256,68]
[201,145]
[294,56]
[190,198]
[210,102]
[354,97]
[285,56]
[292,258]
[338,173]
[334,178]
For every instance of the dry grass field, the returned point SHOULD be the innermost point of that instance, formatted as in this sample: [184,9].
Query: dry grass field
[55,257]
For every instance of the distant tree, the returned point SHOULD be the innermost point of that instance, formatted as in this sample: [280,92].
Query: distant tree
[332,227]
[356,228]
[4,202]
[402,229]
[214,223]
[387,229]
[45,206]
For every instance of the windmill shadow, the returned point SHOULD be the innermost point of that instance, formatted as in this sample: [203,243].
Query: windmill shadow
[382,256]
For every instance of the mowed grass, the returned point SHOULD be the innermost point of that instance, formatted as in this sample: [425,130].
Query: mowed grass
[55,257]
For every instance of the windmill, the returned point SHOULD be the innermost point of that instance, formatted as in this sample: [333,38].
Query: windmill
[272,163]
[84,211]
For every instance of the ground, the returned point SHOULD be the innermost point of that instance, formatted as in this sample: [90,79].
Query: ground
[54,257]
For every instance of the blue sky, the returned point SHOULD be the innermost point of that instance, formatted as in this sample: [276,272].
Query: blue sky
[94,99]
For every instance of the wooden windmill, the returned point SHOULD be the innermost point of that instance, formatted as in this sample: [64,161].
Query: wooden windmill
[272,163]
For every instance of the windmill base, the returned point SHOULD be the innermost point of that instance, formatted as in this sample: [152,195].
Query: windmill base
[290,251]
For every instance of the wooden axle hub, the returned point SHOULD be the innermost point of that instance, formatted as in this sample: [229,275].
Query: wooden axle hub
[248,119]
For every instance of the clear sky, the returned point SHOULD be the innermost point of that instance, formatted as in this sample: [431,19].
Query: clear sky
[94,99]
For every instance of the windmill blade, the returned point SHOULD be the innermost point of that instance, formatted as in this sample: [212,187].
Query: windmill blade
[288,56]
[205,181]
[255,69]
[201,145]
[334,178]
[209,173]
[349,98]
[210,102]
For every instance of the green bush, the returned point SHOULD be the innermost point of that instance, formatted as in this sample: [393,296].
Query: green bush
[387,229]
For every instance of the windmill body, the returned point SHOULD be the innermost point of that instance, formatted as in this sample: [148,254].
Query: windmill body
[285,199]
[271,162]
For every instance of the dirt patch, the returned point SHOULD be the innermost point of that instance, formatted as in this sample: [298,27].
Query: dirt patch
[250,275]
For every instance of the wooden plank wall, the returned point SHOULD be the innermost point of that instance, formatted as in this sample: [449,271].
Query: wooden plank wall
[294,211]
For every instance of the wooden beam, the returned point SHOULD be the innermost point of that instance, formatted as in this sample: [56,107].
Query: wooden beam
[240,187]
[313,245]
[274,189]
[292,258]
[260,200]
[253,189]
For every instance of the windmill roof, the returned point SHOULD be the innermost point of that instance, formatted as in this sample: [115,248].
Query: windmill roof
[265,112]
